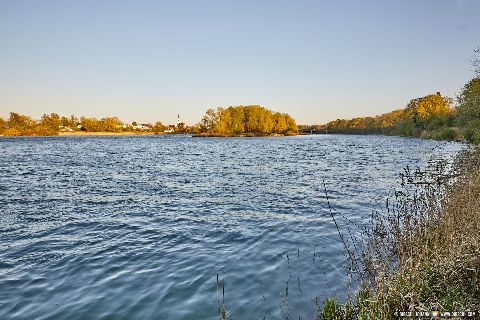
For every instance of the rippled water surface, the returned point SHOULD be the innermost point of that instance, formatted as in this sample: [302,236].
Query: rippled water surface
[139,227]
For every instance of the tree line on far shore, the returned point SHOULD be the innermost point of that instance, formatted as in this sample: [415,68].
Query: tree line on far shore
[421,116]
[238,120]
[431,116]
[51,124]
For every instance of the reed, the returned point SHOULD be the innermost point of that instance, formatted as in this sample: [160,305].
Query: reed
[422,253]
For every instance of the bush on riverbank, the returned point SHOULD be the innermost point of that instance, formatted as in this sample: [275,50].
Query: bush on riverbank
[423,254]
[442,133]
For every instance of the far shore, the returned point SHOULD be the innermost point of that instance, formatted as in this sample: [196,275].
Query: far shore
[86,133]
[139,133]
[245,135]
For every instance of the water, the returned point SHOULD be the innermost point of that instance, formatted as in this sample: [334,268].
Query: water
[139,227]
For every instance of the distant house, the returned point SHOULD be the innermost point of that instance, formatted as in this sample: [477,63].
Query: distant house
[143,127]
[171,129]
[65,129]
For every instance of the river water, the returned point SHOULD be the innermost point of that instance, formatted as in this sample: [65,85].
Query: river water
[139,227]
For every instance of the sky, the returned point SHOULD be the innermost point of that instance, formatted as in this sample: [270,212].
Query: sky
[146,60]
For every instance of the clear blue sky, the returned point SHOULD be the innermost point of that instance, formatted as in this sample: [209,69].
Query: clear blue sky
[149,60]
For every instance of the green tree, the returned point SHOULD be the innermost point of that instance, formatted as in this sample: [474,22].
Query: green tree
[468,110]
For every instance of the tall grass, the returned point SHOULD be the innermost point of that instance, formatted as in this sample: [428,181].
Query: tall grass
[423,252]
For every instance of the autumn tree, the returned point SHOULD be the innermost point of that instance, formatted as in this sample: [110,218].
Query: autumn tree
[110,124]
[209,121]
[71,122]
[90,124]
[49,124]
[20,121]
[279,123]
[158,127]
[247,120]
[427,113]
[236,123]
[3,125]
[18,125]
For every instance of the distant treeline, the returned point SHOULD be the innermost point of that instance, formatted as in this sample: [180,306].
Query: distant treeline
[432,116]
[239,120]
[52,124]
[247,120]
[421,116]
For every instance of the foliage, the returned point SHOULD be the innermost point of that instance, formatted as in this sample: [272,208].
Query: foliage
[71,122]
[52,124]
[247,119]
[233,120]
[20,125]
[109,124]
[423,252]
[468,110]
[420,116]
[442,133]
[158,127]
[333,310]
[3,125]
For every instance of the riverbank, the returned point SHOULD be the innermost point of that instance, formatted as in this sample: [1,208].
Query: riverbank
[86,133]
[424,255]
